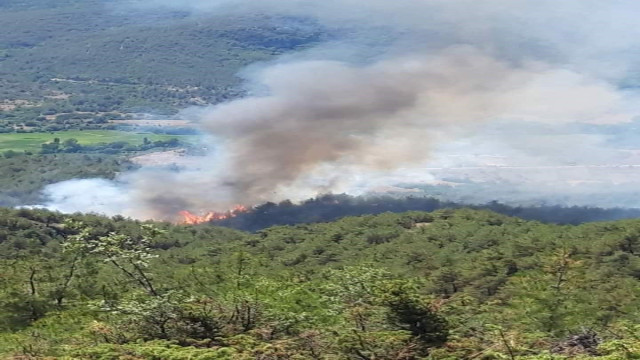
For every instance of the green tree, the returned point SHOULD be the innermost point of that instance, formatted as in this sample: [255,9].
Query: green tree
[128,254]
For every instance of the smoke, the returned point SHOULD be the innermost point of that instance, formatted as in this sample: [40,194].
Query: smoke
[81,196]
[325,120]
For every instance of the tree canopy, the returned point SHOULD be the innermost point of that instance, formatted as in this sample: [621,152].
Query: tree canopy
[450,284]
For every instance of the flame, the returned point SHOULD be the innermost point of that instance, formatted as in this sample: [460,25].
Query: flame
[193,219]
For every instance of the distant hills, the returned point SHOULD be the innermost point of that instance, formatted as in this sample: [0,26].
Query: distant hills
[90,56]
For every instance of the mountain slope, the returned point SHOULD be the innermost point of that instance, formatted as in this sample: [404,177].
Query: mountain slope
[93,56]
[450,284]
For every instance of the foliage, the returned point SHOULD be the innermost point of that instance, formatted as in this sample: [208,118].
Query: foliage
[450,284]
[331,207]
[89,59]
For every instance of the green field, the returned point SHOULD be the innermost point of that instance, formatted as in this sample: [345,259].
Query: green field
[33,141]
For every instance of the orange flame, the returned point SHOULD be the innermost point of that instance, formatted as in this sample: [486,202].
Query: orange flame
[193,219]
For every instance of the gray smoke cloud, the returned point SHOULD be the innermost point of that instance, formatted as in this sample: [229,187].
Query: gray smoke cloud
[326,120]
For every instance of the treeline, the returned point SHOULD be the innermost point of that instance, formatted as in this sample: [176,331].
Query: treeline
[331,207]
[71,145]
[451,284]
[50,116]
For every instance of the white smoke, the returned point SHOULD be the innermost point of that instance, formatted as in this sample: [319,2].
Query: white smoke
[100,196]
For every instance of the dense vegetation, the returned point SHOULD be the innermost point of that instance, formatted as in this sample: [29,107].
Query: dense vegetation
[90,61]
[451,284]
[332,207]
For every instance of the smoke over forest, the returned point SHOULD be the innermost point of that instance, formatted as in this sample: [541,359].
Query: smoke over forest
[401,83]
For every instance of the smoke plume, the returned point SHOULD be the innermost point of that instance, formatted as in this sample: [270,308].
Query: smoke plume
[327,119]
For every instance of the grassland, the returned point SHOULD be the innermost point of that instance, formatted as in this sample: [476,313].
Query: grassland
[33,141]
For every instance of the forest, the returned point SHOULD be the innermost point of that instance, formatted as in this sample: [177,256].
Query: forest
[331,207]
[449,284]
[86,62]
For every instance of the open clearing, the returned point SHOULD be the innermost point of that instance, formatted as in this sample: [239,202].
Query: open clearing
[33,141]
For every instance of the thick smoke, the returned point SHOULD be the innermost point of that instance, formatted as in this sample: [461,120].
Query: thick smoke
[324,120]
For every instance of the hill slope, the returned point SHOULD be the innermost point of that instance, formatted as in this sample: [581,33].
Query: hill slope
[448,284]
[90,56]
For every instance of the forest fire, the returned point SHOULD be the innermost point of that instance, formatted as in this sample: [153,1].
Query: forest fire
[193,219]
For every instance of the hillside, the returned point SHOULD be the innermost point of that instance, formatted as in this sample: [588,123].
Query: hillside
[94,57]
[452,284]
[330,207]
